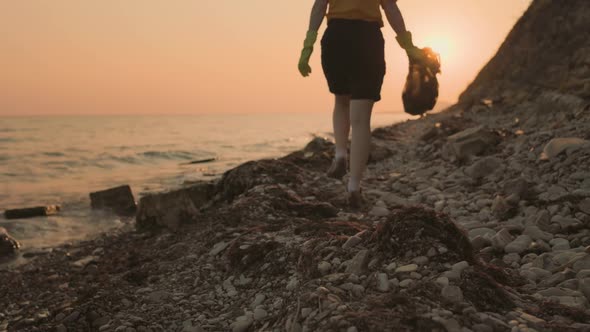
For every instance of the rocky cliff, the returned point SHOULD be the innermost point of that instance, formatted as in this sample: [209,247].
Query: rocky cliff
[547,50]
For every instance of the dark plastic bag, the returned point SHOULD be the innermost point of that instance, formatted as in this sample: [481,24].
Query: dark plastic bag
[421,89]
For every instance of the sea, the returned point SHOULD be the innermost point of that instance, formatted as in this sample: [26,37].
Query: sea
[46,160]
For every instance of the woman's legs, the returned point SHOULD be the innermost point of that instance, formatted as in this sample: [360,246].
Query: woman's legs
[341,124]
[360,120]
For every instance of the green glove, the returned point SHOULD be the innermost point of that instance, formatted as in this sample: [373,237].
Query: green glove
[404,40]
[310,39]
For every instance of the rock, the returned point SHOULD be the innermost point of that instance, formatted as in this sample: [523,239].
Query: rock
[379,211]
[442,281]
[38,211]
[537,234]
[584,287]
[241,324]
[406,283]
[479,242]
[459,267]
[452,294]
[351,242]
[519,245]
[218,247]
[483,167]
[483,231]
[382,282]
[584,206]
[158,296]
[520,187]
[258,299]
[407,268]
[173,208]
[582,264]
[557,146]
[500,207]
[81,263]
[324,267]
[471,142]
[566,223]
[502,239]
[119,199]
[260,314]
[8,245]
[559,244]
[292,284]
[358,264]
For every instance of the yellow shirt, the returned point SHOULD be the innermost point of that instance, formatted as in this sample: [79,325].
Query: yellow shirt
[366,10]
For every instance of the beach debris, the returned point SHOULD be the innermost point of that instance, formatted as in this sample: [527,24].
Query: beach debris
[8,245]
[201,161]
[118,199]
[37,211]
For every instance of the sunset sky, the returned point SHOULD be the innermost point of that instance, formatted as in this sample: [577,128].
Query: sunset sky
[212,56]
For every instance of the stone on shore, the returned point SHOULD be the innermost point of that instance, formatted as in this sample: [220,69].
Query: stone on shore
[8,245]
[120,200]
[471,142]
[37,211]
[171,209]
[557,146]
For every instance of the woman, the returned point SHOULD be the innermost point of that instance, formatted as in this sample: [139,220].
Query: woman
[354,65]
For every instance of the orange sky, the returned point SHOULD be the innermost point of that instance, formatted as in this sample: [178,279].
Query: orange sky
[210,56]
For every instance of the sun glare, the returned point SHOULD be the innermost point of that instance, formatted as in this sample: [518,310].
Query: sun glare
[440,44]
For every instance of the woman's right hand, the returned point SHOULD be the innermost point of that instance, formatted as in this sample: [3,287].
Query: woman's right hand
[303,65]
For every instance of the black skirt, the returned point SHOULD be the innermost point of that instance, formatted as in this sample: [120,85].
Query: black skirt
[353,58]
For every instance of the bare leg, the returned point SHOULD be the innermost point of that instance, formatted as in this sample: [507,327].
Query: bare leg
[341,124]
[360,119]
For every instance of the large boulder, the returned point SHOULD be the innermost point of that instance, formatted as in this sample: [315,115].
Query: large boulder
[119,199]
[8,245]
[470,142]
[171,209]
[37,211]
[557,146]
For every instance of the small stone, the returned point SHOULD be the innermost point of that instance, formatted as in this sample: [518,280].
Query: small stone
[241,324]
[407,268]
[218,247]
[324,267]
[260,314]
[537,234]
[351,242]
[352,329]
[502,239]
[359,262]
[159,296]
[452,294]
[459,267]
[258,299]
[379,211]
[519,245]
[391,267]
[559,244]
[293,283]
[382,282]
[406,283]
[61,328]
[442,281]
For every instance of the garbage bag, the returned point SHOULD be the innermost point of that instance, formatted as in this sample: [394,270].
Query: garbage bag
[421,89]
